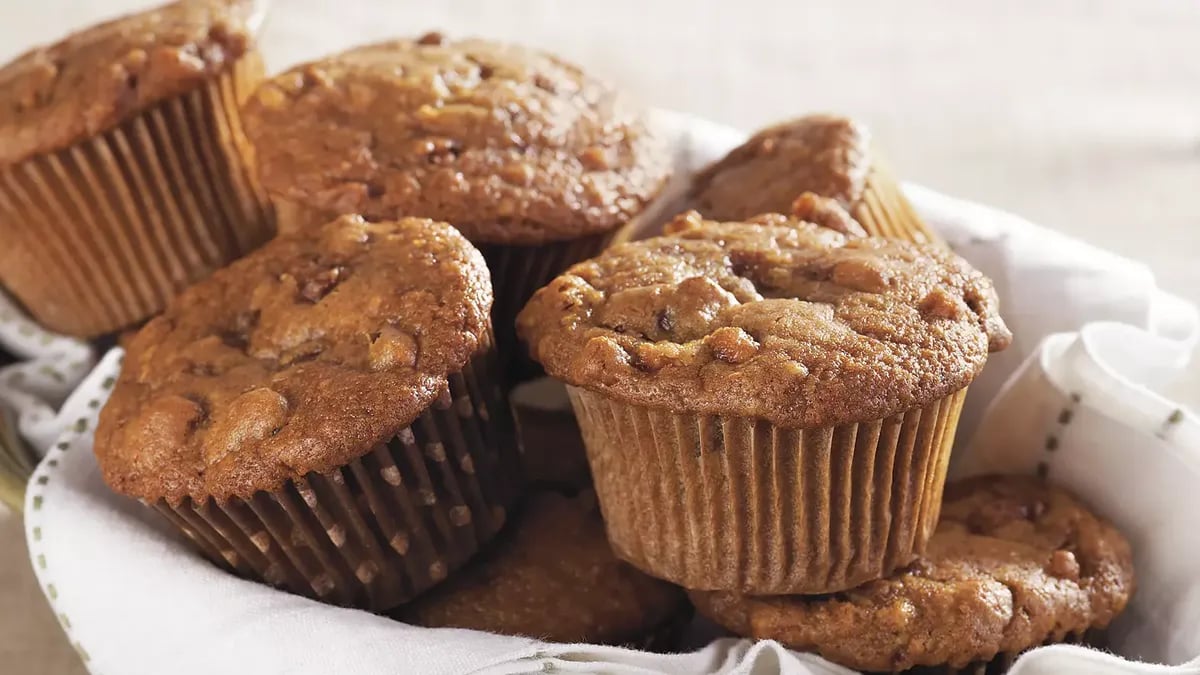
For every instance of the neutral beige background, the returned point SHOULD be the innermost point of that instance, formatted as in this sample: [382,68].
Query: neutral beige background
[1080,114]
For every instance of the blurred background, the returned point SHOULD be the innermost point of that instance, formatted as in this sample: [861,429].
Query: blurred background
[1081,115]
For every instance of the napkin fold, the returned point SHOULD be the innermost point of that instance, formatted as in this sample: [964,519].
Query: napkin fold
[1094,339]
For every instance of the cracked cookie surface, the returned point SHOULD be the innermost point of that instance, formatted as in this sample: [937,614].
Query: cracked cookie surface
[1014,563]
[299,357]
[508,144]
[91,81]
[777,319]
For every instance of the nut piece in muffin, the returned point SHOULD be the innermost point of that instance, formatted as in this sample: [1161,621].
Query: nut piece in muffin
[554,577]
[321,414]
[124,174]
[750,394]
[1015,563]
[534,161]
[826,155]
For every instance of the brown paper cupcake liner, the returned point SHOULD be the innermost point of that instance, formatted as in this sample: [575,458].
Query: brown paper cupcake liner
[387,526]
[1003,662]
[884,211]
[517,273]
[99,235]
[734,503]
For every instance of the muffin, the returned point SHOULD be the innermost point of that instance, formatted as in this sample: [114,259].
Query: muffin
[767,408]
[825,155]
[124,173]
[555,578]
[534,161]
[322,414]
[1015,563]
[553,450]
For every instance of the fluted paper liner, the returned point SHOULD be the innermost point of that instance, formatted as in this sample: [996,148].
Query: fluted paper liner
[387,526]
[99,235]
[517,273]
[884,211]
[738,504]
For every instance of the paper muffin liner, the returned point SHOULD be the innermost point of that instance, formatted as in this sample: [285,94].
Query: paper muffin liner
[517,273]
[383,528]
[1003,662]
[733,503]
[884,211]
[99,235]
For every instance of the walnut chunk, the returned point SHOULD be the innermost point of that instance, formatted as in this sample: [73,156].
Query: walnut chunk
[517,173]
[654,356]
[392,348]
[683,222]
[732,345]
[861,274]
[827,213]
[320,284]
[1063,565]
[250,418]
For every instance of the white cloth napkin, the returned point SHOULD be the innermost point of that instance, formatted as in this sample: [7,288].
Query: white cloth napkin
[136,600]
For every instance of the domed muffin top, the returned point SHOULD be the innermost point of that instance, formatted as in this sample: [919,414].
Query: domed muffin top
[510,145]
[786,321]
[300,357]
[97,78]
[823,154]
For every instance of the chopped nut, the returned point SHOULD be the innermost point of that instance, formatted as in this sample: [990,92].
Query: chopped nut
[319,285]
[1063,565]
[594,158]
[827,213]
[732,344]
[861,274]
[393,348]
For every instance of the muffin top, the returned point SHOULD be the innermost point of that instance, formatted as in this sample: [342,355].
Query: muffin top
[823,154]
[553,577]
[508,144]
[783,320]
[1014,563]
[92,81]
[300,357]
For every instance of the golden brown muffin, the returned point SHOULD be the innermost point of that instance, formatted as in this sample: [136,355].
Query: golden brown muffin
[1014,564]
[554,577]
[533,160]
[321,414]
[826,155]
[751,394]
[124,174]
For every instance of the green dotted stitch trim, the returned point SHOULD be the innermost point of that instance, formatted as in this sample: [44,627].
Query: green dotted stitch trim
[42,563]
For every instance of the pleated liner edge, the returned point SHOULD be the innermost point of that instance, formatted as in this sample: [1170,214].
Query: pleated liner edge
[387,526]
[101,234]
[733,503]
[884,211]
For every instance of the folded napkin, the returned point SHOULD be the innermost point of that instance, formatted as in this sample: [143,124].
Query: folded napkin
[1073,398]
